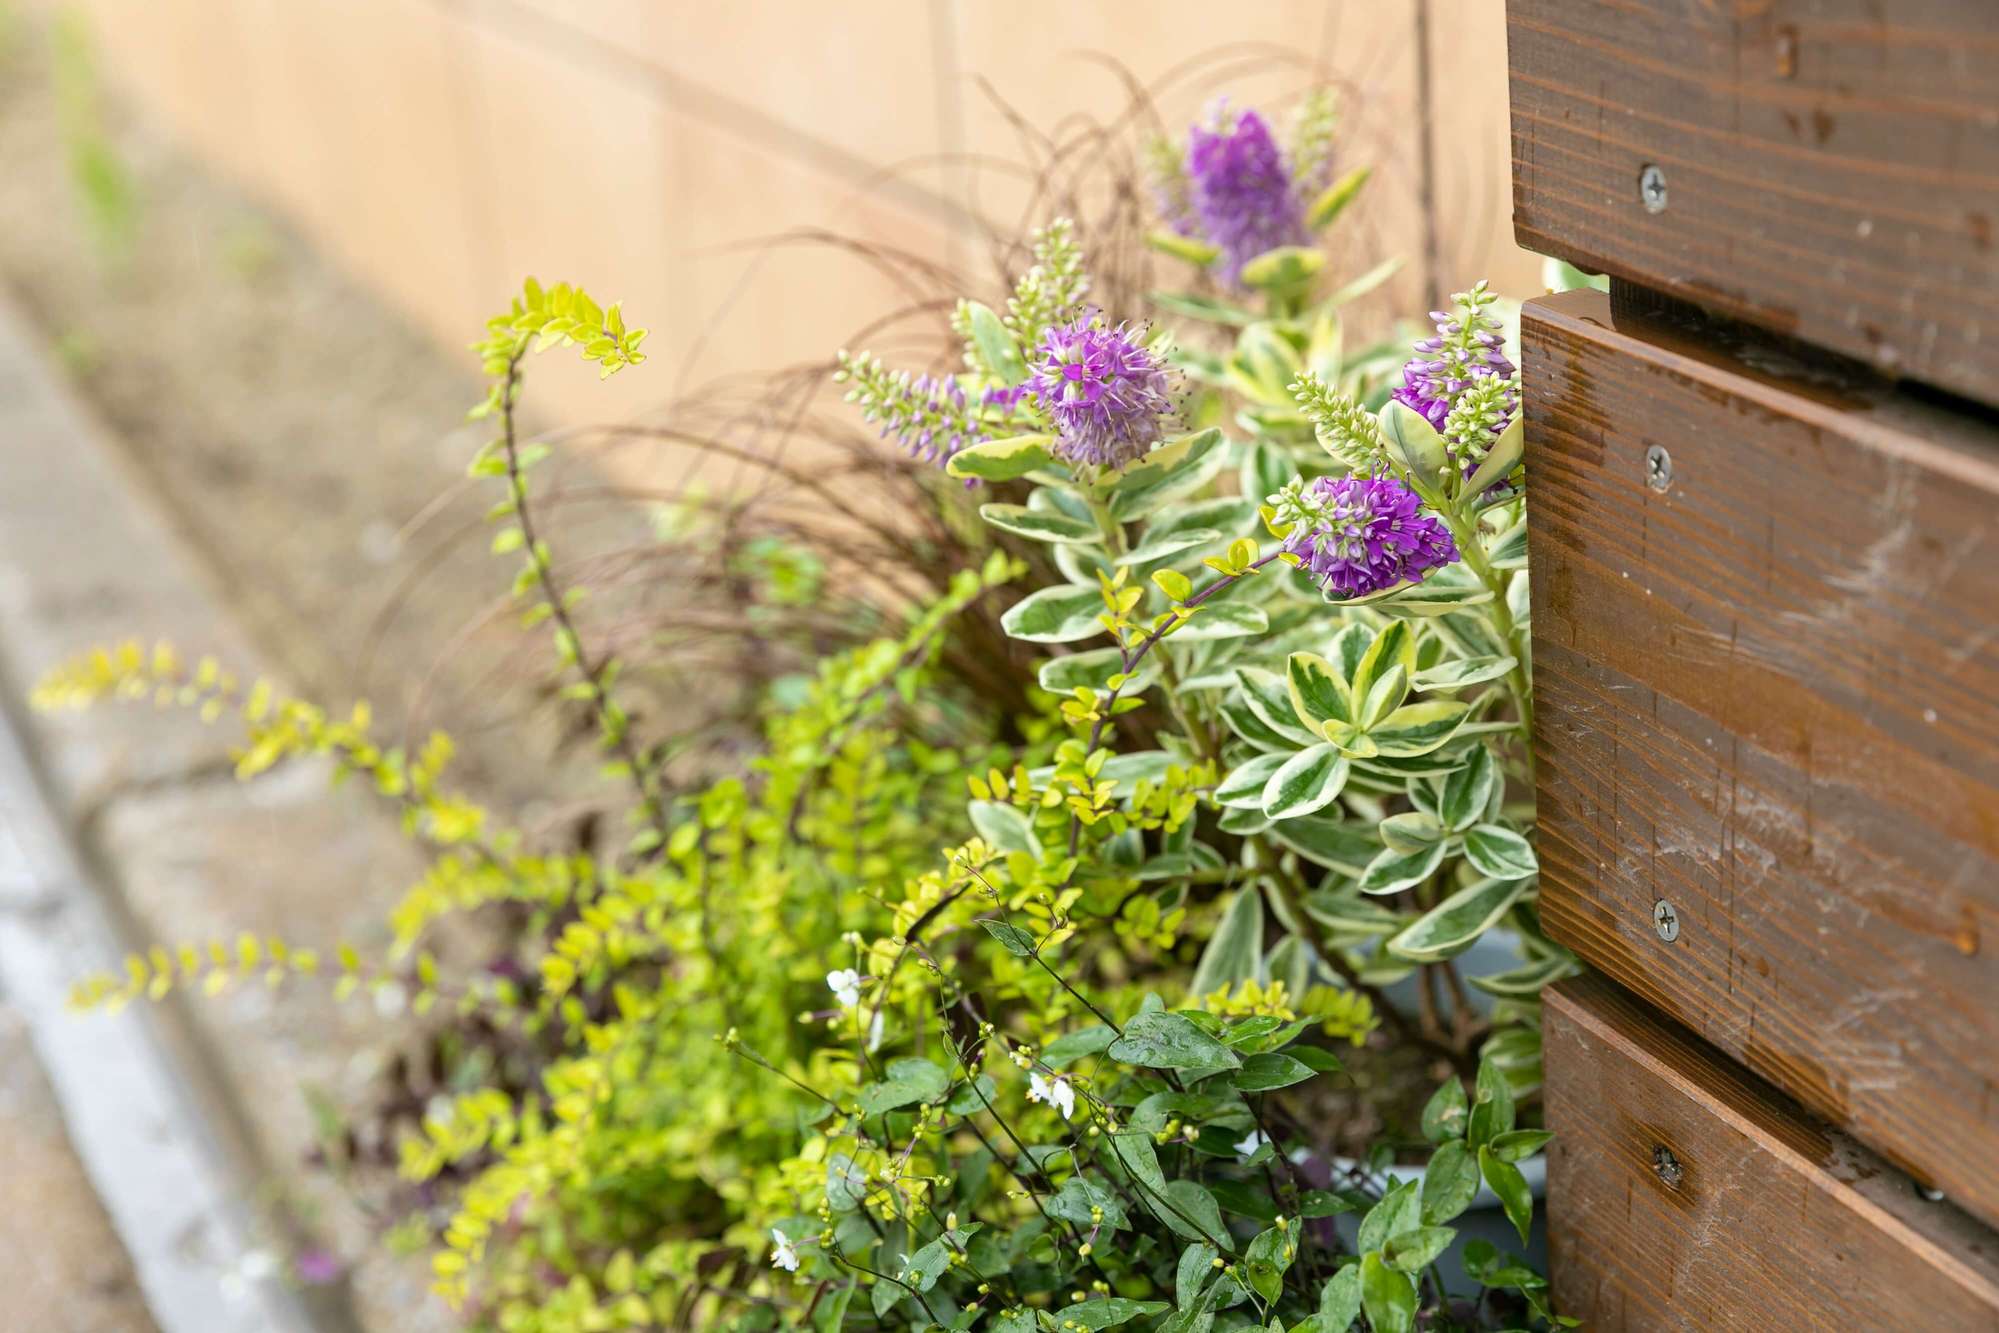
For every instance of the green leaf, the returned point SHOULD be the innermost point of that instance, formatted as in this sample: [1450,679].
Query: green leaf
[1136,1154]
[971,1097]
[1006,827]
[1308,781]
[1160,1040]
[1270,1070]
[1093,669]
[1108,1312]
[1194,1214]
[1451,927]
[1159,545]
[1492,1106]
[1399,1209]
[1002,460]
[1447,1112]
[1270,699]
[1223,620]
[1528,980]
[1393,871]
[1411,831]
[1245,783]
[1332,843]
[1166,460]
[1203,308]
[1435,596]
[908,1081]
[1041,525]
[1078,1196]
[1319,694]
[1450,1183]
[1517,1145]
[1395,645]
[1235,951]
[1458,672]
[1285,267]
[1266,1258]
[996,344]
[1017,941]
[1198,253]
[1196,1268]
[1339,1301]
[1418,728]
[1388,1297]
[1412,1251]
[1412,441]
[1073,1046]
[1509,549]
[1511,1187]
[1500,852]
[1061,614]
[1469,791]
[1499,460]
[1332,201]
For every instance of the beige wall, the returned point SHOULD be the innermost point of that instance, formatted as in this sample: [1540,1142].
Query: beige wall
[442,149]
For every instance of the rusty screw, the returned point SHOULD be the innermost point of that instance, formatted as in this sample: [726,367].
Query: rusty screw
[1658,468]
[1652,189]
[1667,1165]
[1666,921]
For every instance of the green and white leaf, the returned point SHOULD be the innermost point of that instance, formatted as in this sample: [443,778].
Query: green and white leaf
[1454,924]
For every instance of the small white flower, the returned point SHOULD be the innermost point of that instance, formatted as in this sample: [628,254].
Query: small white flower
[1247,1148]
[1056,1092]
[781,1253]
[846,986]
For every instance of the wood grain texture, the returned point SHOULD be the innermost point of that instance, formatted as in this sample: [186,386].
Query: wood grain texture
[1770,696]
[1683,1195]
[1832,166]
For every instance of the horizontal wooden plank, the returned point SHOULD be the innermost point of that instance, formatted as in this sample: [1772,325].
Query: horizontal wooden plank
[1830,168]
[1683,1195]
[1768,696]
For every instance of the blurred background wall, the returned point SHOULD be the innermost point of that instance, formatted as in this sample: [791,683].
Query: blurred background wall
[443,149]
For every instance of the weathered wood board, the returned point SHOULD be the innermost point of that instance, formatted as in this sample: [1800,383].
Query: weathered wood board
[1683,1195]
[1830,168]
[1768,697]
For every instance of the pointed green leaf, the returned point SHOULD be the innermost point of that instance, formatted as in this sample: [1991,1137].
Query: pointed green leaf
[1411,831]
[1002,460]
[1161,1040]
[1454,924]
[1235,951]
[1469,791]
[1039,525]
[1500,852]
[1061,614]
[1458,672]
[1244,785]
[996,344]
[1309,781]
[1450,1182]
[1392,871]
[1511,1187]
[1318,693]
[1418,728]
[1388,1297]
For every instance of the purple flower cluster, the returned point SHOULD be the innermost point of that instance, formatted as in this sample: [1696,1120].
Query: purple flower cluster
[1446,365]
[1240,191]
[1104,391]
[1367,534]
[940,426]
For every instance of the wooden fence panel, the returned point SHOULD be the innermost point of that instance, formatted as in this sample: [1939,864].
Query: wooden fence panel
[1825,168]
[1766,653]
[1684,1196]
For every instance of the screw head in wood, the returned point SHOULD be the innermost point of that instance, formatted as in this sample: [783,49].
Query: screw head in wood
[1666,921]
[1667,1165]
[1652,188]
[1658,468]
[1930,1193]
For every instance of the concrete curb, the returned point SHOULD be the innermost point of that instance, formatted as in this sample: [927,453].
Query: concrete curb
[120,828]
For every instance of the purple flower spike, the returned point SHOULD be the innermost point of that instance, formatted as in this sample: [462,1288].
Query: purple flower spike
[1367,534]
[1103,389]
[1241,191]
[1445,366]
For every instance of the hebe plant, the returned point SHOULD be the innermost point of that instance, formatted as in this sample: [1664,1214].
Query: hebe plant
[832,1045]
